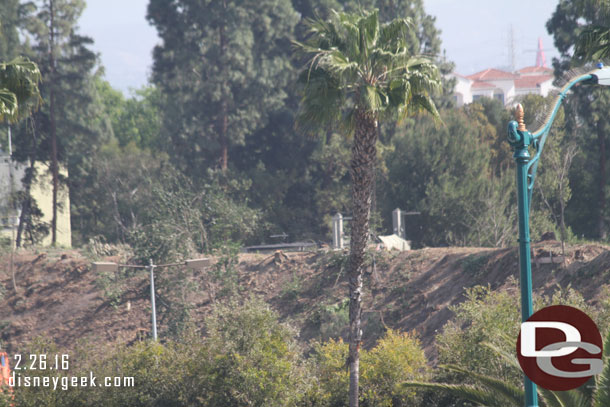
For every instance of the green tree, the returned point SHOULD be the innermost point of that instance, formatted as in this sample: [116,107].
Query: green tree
[586,117]
[361,71]
[65,127]
[451,181]
[223,67]
[135,119]
[10,45]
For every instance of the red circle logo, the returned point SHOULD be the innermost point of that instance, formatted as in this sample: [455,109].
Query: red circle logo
[560,348]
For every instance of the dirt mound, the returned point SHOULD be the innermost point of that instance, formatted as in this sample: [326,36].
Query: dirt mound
[60,297]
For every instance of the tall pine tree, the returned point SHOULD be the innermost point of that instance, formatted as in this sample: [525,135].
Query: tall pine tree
[223,66]
[63,132]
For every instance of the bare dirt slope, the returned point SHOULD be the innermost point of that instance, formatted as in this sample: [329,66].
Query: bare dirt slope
[59,297]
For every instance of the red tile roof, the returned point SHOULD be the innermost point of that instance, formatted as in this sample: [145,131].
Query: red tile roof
[536,69]
[483,85]
[492,74]
[531,81]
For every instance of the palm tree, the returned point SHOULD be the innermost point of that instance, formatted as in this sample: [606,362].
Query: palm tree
[360,71]
[494,392]
[19,93]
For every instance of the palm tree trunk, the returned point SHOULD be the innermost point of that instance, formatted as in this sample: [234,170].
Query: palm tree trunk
[362,170]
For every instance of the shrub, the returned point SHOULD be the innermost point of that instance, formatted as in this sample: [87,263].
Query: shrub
[250,359]
[397,357]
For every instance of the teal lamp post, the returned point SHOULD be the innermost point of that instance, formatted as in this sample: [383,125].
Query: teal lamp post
[521,140]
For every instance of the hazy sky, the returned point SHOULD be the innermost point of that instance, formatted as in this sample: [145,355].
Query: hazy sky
[475,34]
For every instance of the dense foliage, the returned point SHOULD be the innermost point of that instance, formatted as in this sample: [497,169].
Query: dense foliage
[218,119]
[247,358]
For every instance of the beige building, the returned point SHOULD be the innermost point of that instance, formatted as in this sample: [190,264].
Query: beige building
[11,175]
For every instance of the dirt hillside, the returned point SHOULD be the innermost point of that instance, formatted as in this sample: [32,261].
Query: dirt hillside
[60,297]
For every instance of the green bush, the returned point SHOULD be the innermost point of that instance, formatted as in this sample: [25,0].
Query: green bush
[493,317]
[397,357]
[251,359]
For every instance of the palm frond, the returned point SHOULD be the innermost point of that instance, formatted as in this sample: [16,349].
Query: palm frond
[369,30]
[497,385]
[421,102]
[601,394]
[510,358]
[479,396]
[8,104]
[373,98]
[571,398]
[594,43]
[392,35]
[321,97]
[340,63]
[19,77]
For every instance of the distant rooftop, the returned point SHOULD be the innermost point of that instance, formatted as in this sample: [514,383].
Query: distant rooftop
[530,82]
[492,74]
[536,69]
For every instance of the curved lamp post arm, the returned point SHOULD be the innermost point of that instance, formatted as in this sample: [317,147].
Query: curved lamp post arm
[537,140]
[539,137]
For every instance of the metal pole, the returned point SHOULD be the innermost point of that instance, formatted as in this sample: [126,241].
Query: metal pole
[520,139]
[525,263]
[338,231]
[399,230]
[151,268]
[10,142]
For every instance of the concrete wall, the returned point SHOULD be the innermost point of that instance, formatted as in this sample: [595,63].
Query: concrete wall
[42,193]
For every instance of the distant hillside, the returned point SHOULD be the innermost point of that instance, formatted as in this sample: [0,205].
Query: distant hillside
[61,298]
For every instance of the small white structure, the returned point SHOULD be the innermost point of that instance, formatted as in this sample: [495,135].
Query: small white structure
[395,242]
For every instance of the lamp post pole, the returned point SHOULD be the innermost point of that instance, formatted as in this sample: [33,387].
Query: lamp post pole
[521,140]
[151,269]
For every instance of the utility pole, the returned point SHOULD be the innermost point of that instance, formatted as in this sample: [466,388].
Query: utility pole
[151,269]
[109,267]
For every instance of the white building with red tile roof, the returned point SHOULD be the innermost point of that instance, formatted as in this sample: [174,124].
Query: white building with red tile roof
[504,86]
[507,87]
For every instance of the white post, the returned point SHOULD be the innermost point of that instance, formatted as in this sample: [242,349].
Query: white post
[151,268]
[397,224]
[338,231]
